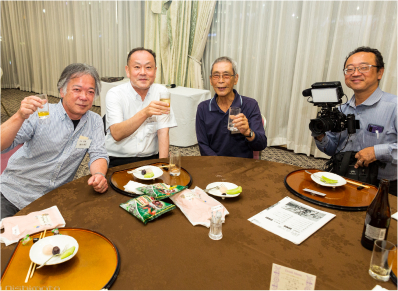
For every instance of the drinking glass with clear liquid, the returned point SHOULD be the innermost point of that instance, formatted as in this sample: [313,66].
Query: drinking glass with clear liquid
[165,97]
[175,163]
[382,259]
[45,111]
[233,111]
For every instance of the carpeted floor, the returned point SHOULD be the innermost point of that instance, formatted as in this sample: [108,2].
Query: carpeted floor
[11,99]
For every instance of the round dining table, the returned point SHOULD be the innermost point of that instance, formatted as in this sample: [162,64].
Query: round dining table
[170,253]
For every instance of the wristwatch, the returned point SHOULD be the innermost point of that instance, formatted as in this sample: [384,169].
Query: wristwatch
[250,134]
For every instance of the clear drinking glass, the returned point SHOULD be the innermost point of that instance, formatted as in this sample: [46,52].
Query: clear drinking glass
[383,256]
[215,232]
[165,97]
[232,112]
[45,111]
[175,163]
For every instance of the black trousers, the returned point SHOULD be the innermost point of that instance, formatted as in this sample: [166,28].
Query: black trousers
[117,161]
[7,208]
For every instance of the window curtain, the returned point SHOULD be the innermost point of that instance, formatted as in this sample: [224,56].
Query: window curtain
[176,31]
[40,38]
[282,47]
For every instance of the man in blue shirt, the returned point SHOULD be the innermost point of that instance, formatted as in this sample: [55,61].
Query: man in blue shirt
[54,148]
[212,117]
[376,111]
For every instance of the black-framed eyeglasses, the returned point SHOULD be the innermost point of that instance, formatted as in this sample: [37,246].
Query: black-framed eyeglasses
[216,77]
[362,69]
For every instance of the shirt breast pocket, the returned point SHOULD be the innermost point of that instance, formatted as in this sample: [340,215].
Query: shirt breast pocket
[371,138]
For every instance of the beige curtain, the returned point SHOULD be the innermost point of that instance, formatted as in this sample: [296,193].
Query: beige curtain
[40,38]
[203,23]
[177,32]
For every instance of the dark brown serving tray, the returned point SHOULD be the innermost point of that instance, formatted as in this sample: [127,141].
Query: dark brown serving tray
[120,178]
[346,197]
[94,267]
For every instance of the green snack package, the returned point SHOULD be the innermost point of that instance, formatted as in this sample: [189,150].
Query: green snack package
[161,191]
[146,208]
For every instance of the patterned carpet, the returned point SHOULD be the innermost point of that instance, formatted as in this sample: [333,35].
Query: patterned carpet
[11,99]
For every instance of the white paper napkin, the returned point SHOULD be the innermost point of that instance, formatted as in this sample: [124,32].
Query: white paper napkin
[132,186]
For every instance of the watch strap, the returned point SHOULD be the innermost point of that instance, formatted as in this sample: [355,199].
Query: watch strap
[250,134]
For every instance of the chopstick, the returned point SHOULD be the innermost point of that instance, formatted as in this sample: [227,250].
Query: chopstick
[34,266]
[166,166]
[42,235]
[357,184]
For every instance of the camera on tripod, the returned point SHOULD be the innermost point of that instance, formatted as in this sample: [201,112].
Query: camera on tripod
[328,95]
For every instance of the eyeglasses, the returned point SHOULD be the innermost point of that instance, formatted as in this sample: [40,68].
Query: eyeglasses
[362,69]
[224,76]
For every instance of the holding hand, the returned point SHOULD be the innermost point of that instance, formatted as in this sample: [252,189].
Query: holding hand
[29,105]
[241,123]
[98,182]
[157,108]
[365,157]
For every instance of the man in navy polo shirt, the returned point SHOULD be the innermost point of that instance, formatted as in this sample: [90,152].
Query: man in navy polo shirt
[212,133]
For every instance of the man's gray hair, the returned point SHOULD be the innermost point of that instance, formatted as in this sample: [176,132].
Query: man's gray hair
[225,59]
[77,70]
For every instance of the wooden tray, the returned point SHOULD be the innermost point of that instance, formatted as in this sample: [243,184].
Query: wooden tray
[95,266]
[346,197]
[119,179]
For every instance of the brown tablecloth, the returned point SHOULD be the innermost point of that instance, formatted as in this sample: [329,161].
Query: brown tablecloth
[170,253]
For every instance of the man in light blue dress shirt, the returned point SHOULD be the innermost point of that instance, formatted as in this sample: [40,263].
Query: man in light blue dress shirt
[376,111]
[54,148]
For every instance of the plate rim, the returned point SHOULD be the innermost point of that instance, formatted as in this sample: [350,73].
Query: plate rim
[325,184]
[222,196]
[56,262]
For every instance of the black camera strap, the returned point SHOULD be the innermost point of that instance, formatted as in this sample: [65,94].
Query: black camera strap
[344,163]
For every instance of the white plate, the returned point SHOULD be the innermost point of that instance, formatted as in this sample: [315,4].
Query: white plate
[217,192]
[36,251]
[340,180]
[156,171]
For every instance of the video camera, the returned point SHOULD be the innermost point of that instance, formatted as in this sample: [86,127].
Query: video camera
[328,95]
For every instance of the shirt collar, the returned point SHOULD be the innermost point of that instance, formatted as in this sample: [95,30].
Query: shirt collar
[138,96]
[59,111]
[372,99]
[213,106]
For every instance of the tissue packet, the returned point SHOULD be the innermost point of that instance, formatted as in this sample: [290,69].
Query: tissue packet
[197,206]
[17,227]
[145,208]
[161,191]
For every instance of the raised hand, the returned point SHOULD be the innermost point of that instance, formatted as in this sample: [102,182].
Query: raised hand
[29,105]
[157,108]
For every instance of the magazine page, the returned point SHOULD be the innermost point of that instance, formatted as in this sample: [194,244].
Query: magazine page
[291,220]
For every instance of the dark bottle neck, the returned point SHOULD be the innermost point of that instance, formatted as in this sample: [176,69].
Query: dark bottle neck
[381,198]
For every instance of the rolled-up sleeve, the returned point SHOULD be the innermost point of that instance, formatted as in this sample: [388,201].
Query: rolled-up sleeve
[386,152]
[97,146]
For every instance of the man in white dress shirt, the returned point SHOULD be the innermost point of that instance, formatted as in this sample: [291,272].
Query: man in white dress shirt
[137,123]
